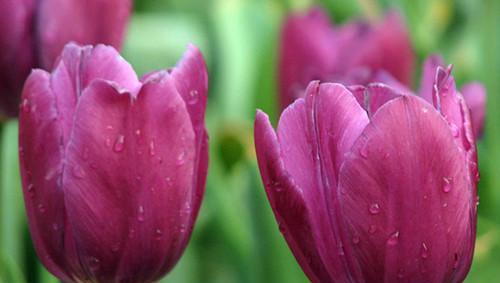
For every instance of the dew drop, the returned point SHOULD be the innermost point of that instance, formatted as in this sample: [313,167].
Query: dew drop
[169,181]
[30,188]
[282,228]
[119,143]
[193,97]
[108,142]
[393,239]
[446,185]
[372,229]
[131,233]
[152,148]
[181,159]
[55,226]
[78,172]
[455,261]
[138,133]
[109,127]
[140,213]
[41,208]
[25,105]
[158,234]
[401,273]
[374,209]
[424,253]
[445,205]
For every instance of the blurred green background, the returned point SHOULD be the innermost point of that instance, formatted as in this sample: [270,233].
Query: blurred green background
[236,238]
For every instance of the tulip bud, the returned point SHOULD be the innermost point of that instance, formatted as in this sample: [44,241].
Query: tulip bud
[314,49]
[113,167]
[35,32]
[372,185]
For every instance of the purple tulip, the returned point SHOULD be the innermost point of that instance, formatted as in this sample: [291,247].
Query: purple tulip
[313,49]
[113,167]
[474,93]
[371,185]
[35,32]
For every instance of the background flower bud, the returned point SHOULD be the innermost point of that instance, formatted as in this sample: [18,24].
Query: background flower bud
[34,33]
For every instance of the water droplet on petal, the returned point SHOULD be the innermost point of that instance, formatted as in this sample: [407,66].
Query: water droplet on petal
[108,142]
[455,261]
[138,133]
[374,208]
[193,97]
[181,159]
[454,130]
[372,229]
[152,148]
[109,127]
[131,233]
[401,273]
[25,105]
[393,239]
[445,205]
[446,185]
[119,143]
[140,213]
[424,253]
[158,234]
[41,208]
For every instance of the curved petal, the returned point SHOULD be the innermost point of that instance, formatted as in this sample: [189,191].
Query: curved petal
[40,164]
[429,70]
[118,132]
[313,140]
[84,22]
[475,97]
[287,201]
[394,189]
[16,51]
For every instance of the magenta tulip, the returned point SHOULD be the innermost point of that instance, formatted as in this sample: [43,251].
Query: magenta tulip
[314,49]
[372,185]
[474,93]
[113,167]
[35,31]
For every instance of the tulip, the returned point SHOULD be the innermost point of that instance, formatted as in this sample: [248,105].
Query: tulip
[35,32]
[313,49]
[369,184]
[113,167]
[474,93]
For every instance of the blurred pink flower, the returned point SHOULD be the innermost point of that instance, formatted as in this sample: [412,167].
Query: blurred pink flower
[312,48]
[34,32]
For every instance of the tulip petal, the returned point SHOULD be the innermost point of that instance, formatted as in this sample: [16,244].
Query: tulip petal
[475,97]
[16,51]
[150,139]
[429,70]
[395,188]
[330,133]
[84,22]
[40,166]
[378,94]
[287,201]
